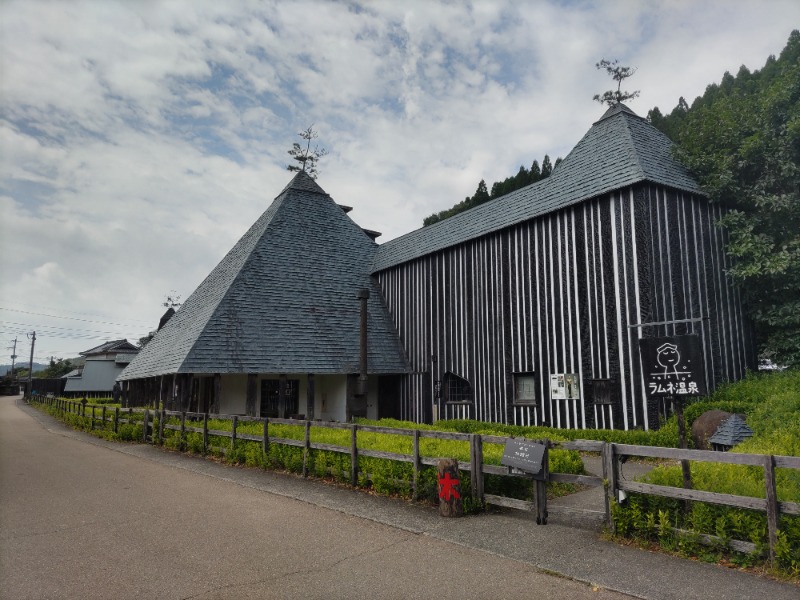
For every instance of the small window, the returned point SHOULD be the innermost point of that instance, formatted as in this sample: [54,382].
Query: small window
[604,391]
[456,389]
[525,389]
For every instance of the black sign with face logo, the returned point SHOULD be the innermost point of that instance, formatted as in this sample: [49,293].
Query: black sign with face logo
[673,366]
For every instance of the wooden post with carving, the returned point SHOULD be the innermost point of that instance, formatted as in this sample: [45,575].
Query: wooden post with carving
[450,502]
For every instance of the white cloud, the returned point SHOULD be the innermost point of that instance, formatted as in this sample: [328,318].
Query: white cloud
[138,141]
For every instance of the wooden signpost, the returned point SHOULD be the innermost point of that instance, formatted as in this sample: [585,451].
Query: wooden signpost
[530,457]
[674,370]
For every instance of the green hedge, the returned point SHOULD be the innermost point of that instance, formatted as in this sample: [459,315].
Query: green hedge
[385,476]
[771,403]
[666,436]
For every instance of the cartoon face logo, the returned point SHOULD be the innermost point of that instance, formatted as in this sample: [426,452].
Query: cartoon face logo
[668,356]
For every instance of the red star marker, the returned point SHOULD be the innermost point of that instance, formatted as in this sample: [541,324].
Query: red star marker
[447,488]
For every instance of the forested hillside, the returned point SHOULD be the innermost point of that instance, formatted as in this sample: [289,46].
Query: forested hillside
[499,188]
[741,140]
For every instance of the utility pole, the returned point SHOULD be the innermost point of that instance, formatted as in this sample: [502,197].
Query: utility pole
[13,357]
[30,365]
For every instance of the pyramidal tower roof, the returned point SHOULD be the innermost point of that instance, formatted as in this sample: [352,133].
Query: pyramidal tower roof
[620,149]
[283,300]
[731,432]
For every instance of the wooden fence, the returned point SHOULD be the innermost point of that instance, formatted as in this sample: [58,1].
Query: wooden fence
[611,456]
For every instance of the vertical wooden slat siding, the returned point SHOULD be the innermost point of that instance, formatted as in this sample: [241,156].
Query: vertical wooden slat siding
[559,294]
[620,352]
[579,332]
[638,315]
[626,282]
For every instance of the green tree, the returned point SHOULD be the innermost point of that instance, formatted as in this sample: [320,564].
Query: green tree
[499,188]
[547,168]
[56,368]
[481,194]
[535,172]
[741,140]
[619,74]
[307,157]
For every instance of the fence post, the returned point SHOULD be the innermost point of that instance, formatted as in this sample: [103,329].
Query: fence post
[476,460]
[205,432]
[233,432]
[353,455]
[540,488]
[450,501]
[772,505]
[182,438]
[92,424]
[103,416]
[610,471]
[144,427]
[161,425]
[265,438]
[116,419]
[306,448]
[415,493]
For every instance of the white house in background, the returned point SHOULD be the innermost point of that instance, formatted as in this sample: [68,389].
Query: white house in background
[103,365]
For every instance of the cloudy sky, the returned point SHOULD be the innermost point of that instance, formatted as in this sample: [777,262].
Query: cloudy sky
[139,140]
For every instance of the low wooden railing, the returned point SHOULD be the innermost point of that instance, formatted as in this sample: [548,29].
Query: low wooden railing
[610,453]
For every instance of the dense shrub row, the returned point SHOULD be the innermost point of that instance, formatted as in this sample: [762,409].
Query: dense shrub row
[666,436]
[771,404]
[382,475]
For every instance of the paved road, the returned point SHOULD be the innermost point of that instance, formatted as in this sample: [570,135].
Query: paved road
[81,519]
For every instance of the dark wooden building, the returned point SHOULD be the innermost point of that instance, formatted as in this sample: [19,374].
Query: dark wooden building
[527,309]
[499,306]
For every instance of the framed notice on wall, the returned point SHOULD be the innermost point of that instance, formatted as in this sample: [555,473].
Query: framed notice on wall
[673,366]
[565,386]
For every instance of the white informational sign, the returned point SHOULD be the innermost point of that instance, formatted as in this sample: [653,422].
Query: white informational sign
[565,386]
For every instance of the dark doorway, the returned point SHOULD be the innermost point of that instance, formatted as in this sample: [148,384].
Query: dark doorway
[389,397]
[272,405]
[356,405]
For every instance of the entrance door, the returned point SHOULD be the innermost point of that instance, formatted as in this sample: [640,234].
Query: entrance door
[272,405]
[389,396]
[356,405]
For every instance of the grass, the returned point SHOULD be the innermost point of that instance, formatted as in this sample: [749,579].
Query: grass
[771,404]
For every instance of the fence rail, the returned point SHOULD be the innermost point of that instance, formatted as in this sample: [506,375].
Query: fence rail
[611,454]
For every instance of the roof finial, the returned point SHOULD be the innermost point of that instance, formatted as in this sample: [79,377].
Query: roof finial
[618,73]
[306,156]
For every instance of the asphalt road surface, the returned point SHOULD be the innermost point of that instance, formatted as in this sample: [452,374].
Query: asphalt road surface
[81,520]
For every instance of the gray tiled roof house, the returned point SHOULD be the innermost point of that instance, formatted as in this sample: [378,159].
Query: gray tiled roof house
[103,365]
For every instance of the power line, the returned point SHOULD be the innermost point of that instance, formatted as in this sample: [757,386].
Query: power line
[27,305]
[27,312]
[44,332]
[60,328]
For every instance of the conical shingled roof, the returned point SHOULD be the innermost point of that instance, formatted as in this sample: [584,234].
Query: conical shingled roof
[621,149]
[731,431]
[283,300]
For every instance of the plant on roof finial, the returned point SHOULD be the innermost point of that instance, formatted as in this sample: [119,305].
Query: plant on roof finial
[619,74]
[306,156]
